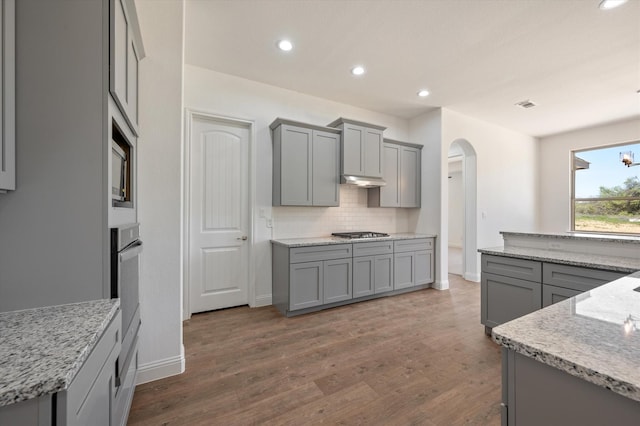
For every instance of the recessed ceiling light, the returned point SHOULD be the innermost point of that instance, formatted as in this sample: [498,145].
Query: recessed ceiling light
[423,93]
[610,4]
[285,45]
[357,70]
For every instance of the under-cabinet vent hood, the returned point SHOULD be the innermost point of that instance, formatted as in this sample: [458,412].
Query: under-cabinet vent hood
[363,182]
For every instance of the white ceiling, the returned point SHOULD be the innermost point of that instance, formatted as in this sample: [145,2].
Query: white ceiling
[580,64]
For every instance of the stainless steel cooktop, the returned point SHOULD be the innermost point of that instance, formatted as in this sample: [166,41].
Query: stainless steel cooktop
[359,234]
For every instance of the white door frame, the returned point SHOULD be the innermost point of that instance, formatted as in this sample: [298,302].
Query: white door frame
[190,115]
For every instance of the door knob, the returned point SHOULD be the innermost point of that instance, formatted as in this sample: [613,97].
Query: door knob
[243,238]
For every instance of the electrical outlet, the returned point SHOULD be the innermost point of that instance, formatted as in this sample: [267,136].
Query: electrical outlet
[269,223]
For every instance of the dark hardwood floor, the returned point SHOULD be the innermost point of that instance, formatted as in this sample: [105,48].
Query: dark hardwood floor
[416,359]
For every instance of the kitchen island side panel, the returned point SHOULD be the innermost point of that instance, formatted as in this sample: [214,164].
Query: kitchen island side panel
[544,395]
[280,277]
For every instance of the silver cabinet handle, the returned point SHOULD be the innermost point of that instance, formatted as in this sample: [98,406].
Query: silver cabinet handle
[243,238]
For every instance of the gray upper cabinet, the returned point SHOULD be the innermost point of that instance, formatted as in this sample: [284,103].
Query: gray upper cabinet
[125,54]
[305,165]
[402,172]
[7,77]
[361,148]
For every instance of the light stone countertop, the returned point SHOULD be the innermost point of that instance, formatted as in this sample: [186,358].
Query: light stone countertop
[42,349]
[624,239]
[321,241]
[610,263]
[585,336]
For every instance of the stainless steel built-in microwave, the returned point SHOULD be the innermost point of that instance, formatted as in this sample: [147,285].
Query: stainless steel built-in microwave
[121,170]
[118,173]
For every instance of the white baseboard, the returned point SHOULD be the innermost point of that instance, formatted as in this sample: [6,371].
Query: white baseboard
[264,300]
[160,369]
[472,277]
[441,285]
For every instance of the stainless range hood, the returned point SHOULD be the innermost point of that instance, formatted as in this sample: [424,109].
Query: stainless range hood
[363,182]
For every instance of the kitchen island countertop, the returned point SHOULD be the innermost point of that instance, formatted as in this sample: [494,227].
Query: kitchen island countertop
[42,349]
[586,260]
[320,241]
[594,336]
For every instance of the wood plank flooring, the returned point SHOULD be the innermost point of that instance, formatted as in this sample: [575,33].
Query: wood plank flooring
[416,359]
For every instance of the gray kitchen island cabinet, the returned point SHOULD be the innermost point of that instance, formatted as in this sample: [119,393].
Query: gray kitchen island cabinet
[402,173]
[306,161]
[361,148]
[372,268]
[512,287]
[413,262]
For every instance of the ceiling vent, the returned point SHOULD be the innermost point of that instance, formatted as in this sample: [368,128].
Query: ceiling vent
[526,104]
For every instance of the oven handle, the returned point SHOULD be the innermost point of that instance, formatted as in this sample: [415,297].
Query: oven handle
[130,252]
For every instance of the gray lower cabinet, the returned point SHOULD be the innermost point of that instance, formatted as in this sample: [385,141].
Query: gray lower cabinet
[413,263]
[552,294]
[372,268]
[560,282]
[306,164]
[505,298]
[89,399]
[513,287]
[308,278]
[402,173]
[337,283]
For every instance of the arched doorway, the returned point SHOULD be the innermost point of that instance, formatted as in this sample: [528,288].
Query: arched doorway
[462,210]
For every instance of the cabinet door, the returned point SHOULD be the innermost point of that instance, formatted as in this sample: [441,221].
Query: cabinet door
[552,294]
[424,267]
[353,149]
[363,275]
[306,285]
[390,193]
[296,166]
[373,158]
[505,298]
[326,169]
[403,270]
[7,97]
[123,60]
[410,177]
[383,273]
[337,280]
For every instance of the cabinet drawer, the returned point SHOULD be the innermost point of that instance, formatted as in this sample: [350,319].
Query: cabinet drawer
[575,277]
[510,267]
[417,244]
[372,248]
[317,253]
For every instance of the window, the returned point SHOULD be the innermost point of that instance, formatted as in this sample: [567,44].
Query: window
[606,189]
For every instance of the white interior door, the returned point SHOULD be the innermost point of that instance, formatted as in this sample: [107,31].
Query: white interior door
[219,214]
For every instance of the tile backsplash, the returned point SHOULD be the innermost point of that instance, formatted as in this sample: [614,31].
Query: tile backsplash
[352,215]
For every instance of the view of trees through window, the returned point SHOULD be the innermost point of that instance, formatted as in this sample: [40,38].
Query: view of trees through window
[606,189]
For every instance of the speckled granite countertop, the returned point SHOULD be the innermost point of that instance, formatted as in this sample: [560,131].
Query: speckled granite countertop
[585,336]
[624,239]
[321,241]
[610,263]
[42,349]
